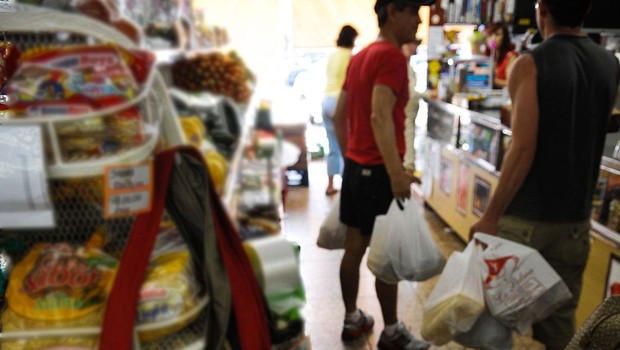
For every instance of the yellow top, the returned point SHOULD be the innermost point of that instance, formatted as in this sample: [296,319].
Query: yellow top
[336,70]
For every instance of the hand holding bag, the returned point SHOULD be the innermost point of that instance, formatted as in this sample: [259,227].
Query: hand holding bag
[413,252]
[333,232]
[457,300]
[520,287]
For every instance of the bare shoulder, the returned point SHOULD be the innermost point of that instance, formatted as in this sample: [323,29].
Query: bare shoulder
[524,63]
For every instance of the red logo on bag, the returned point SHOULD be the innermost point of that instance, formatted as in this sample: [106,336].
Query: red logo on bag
[498,267]
[615,289]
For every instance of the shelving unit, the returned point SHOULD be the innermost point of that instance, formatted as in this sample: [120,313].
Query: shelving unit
[82,177]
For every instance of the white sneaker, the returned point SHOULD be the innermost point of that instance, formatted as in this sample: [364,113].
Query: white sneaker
[401,340]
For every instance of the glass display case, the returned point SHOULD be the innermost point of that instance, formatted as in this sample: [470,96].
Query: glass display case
[480,137]
[606,202]
[443,121]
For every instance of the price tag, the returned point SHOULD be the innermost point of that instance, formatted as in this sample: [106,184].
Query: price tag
[128,189]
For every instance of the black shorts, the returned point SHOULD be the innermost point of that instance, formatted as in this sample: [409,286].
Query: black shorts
[366,192]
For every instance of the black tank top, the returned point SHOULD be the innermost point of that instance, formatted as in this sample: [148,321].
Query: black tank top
[577,82]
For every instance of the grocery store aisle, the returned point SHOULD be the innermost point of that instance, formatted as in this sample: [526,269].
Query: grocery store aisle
[305,209]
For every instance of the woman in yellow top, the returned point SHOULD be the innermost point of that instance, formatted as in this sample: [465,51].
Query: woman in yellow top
[336,69]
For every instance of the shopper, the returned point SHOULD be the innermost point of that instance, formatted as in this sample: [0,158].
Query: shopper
[562,93]
[336,69]
[500,47]
[369,122]
[412,107]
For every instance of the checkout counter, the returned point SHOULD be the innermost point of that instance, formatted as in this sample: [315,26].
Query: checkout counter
[463,157]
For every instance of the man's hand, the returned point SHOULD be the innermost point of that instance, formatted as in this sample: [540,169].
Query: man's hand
[401,181]
[484,225]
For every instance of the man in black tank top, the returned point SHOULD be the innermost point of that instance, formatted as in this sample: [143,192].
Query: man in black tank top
[562,96]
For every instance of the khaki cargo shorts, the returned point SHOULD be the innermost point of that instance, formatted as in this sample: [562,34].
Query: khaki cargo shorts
[566,247]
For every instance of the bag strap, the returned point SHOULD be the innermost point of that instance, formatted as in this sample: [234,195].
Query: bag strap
[249,307]
[188,203]
[248,301]
[120,314]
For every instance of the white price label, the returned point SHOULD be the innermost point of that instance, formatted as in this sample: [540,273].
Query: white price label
[128,189]
[129,177]
[129,203]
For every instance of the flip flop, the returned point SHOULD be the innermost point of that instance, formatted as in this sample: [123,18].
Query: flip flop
[331,192]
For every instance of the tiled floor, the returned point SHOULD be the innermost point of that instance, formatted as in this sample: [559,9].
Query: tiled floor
[305,209]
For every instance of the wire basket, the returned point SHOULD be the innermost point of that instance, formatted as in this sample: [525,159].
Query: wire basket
[72,150]
[76,178]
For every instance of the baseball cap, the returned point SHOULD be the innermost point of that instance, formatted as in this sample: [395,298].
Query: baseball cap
[382,3]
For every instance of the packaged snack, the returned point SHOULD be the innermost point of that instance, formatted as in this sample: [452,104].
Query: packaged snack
[9,54]
[58,285]
[71,80]
[170,288]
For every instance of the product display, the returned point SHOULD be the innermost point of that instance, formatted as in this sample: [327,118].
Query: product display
[9,55]
[98,102]
[170,288]
[70,81]
[216,72]
[58,285]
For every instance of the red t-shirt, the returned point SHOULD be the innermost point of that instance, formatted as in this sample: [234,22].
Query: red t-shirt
[379,63]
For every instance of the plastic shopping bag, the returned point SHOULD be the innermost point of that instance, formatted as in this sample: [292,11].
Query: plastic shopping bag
[378,256]
[487,334]
[520,287]
[457,300]
[332,234]
[413,252]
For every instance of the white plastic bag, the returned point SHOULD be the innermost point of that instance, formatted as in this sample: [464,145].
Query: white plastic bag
[378,255]
[487,334]
[520,287]
[413,252]
[457,300]
[333,232]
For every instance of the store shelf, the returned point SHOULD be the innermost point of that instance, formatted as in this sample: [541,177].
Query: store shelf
[197,99]
[96,331]
[153,99]
[23,18]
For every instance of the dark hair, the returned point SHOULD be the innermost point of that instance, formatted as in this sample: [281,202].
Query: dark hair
[347,36]
[382,12]
[568,13]
[507,44]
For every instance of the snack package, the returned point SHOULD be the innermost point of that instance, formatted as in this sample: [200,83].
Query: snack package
[97,136]
[73,80]
[170,289]
[9,55]
[58,285]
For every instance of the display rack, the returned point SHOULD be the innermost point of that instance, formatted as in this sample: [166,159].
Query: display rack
[70,178]
[160,114]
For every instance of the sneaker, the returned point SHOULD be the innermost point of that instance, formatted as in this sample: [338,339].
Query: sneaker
[354,330]
[401,340]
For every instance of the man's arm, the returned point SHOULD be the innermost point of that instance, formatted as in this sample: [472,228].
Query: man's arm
[340,121]
[520,155]
[383,100]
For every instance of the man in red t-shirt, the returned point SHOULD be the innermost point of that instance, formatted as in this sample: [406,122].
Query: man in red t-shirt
[369,121]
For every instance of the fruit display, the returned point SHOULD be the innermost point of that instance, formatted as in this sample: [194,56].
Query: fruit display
[216,72]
